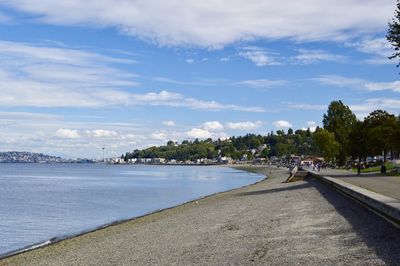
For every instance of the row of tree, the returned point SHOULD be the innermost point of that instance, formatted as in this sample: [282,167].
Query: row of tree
[248,146]
[345,136]
[342,137]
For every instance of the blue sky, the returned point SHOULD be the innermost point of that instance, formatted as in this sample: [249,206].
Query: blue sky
[76,76]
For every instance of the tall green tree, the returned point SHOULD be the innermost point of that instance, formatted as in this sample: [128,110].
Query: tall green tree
[393,34]
[327,143]
[339,120]
[396,137]
[381,132]
[358,141]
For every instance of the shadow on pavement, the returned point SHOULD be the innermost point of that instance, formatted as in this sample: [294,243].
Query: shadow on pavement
[379,234]
[275,190]
[350,174]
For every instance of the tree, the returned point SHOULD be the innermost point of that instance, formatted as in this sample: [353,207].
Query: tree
[280,132]
[396,137]
[327,143]
[283,149]
[170,143]
[393,35]
[358,141]
[264,153]
[381,132]
[339,120]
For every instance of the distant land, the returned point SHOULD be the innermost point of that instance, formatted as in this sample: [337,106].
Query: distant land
[30,157]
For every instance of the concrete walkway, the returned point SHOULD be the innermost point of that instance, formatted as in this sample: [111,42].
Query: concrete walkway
[386,185]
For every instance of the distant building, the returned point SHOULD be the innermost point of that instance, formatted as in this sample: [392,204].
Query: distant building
[224,160]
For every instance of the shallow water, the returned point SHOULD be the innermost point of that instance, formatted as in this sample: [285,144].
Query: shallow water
[42,201]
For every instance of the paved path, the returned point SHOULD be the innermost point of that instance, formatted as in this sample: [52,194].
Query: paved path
[385,185]
[270,223]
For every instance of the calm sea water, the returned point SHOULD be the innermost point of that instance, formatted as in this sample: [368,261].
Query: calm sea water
[42,201]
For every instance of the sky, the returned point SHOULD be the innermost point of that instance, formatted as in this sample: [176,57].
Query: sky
[76,76]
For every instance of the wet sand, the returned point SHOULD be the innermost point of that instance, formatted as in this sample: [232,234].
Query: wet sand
[269,223]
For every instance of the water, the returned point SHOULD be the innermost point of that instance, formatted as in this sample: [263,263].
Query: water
[42,201]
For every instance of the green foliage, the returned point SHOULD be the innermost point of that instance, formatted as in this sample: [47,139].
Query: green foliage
[342,136]
[300,142]
[381,133]
[358,141]
[339,120]
[393,34]
[378,134]
[327,143]
[396,135]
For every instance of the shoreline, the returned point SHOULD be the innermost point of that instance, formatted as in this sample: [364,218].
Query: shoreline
[267,223]
[57,239]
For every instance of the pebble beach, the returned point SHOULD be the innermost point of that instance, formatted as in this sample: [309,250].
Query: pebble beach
[267,223]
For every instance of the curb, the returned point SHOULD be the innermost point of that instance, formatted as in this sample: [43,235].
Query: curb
[385,206]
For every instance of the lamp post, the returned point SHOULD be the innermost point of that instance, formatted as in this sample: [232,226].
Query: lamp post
[103,154]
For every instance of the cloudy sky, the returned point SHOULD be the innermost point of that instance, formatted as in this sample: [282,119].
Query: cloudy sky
[76,76]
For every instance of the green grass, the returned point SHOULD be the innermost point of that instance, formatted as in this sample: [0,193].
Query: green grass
[393,174]
[389,166]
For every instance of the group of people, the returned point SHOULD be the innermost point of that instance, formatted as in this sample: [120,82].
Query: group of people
[317,166]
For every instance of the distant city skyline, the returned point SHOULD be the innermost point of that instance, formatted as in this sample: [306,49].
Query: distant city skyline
[77,76]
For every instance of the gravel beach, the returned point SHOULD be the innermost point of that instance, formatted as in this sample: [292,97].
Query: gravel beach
[269,223]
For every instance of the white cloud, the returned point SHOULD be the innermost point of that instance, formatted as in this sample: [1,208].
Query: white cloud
[339,81]
[189,61]
[282,124]
[246,125]
[40,76]
[389,104]
[23,116]
[209,129]
[259,56]
[67,133]
[224,59]
[212,126]
[159,135]
[54,134]
[198,133]
[30,94]
[306,106]
[215,106]
[361,110]
[45,76]
[102,133]
[195,82]
[34,53]
[169,123]
[262,57]
[312,56]
[379,48]
[312,125]
[380,86]
[199,22]
[262,83]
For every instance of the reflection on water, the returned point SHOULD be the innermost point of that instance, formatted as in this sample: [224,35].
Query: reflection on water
[41,201]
